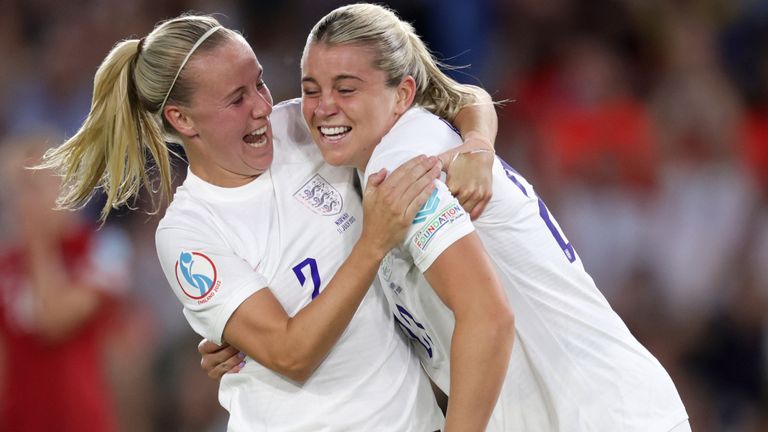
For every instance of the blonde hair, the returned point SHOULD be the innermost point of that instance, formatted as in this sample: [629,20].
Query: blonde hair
[399,52]
[125,129]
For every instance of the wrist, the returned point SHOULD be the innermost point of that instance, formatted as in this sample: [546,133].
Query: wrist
[368,251]
[475,140]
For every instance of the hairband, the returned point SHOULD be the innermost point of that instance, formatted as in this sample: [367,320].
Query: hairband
[189,54]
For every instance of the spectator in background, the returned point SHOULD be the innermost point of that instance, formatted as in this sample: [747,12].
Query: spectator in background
[60,282]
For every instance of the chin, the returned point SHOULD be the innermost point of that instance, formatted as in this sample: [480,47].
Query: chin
[332,158]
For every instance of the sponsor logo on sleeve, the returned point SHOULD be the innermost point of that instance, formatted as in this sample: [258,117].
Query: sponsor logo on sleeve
[320,196]
[197,276]
[443,218]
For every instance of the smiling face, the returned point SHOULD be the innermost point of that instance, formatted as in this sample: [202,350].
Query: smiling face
[226,130]
[347,103]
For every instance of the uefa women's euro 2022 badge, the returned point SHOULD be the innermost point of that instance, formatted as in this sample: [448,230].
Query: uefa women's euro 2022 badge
[197,276]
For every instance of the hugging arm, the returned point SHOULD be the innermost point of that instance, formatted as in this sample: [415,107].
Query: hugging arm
[469,165]
[295,346]
[464,278]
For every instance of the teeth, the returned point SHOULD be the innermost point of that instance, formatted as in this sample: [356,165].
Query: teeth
[334,130]
[259,131]
[260,142]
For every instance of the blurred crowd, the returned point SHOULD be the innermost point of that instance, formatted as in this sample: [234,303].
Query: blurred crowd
[642,123]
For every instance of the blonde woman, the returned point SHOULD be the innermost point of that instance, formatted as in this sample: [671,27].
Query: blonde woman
[266,247]
[371,91]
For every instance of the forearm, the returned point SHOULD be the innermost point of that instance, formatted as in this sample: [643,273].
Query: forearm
[480,351]
[295,346]
[477,122]
[317,327]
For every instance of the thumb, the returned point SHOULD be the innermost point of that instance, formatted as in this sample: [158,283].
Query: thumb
[375,179]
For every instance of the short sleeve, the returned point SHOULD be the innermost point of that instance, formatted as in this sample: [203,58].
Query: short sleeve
[440,222]
[209,279]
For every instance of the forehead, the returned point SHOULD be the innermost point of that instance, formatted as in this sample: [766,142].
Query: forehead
[229,65]
[323,58]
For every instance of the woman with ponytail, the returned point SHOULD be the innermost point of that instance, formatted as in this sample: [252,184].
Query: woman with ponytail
[267,247]
[373,97]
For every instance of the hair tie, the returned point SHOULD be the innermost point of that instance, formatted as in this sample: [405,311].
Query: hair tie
[189,54]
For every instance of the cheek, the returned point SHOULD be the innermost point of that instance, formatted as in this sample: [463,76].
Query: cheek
[307,109]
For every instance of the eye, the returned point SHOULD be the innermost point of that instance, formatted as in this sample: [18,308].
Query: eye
[309,92]
[260,85]
[346,91]
[238,100]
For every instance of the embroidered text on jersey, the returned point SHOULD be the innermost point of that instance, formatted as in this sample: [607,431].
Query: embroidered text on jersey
[444,217]
[320,196]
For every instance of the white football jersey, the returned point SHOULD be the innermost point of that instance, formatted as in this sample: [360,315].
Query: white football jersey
[574,366]
[289,231]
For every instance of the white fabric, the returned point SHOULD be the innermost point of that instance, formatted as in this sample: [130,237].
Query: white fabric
[257,236]
[682,427]
[574,365]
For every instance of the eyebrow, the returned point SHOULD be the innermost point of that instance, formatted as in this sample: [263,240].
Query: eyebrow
[335,79]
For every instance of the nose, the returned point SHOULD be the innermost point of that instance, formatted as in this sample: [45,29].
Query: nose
[326,105]
[262,106]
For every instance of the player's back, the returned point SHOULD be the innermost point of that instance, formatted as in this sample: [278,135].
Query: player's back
[574,366]
[590,370]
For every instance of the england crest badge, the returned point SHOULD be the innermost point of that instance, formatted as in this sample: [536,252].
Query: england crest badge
[320,197]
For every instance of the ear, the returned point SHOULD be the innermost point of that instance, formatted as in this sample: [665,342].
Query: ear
[406,92]
[180,121]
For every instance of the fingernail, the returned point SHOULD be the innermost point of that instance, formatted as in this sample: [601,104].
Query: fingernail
[241,365]
[241,355]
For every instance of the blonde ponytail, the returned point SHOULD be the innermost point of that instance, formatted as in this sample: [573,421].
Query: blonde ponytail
[124,133]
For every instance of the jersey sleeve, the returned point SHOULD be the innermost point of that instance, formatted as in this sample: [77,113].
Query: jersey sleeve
[442,220]
[207,277]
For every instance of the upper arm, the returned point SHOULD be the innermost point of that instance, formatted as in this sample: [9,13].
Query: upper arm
[464,278]
[209,278]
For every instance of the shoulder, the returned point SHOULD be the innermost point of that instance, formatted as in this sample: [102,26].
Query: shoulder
[290,135]
[417,132]
[287,115]
[185,219]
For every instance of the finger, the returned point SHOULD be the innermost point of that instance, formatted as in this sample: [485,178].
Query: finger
[470,202]
[414,190]
[233,363]
[478,209]
[375,179]
[408,172]
[426,170]
[418,202]
[205,347]
[446,158]
[212,359]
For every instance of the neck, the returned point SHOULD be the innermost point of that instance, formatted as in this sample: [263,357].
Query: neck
[369,152]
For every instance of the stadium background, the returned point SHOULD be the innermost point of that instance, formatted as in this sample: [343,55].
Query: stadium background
[642,123]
